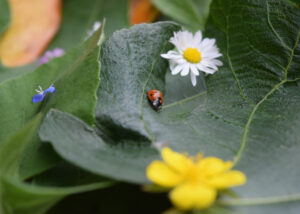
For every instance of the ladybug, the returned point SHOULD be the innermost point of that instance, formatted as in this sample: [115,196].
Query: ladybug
[155,98]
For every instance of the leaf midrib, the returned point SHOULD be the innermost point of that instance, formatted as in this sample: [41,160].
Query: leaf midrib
[152,138]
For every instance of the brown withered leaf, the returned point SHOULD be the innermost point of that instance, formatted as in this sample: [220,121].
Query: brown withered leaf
[33,25]
[142,11]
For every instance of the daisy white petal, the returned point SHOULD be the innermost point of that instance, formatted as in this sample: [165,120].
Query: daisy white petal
[207,70]
[194,70]
[188,36]
[180,61]
[209,64]
[211,56]
[170,56]
[217,62]
[186,70]
[198,37]
[172,65]
[193,79]
[177,69]
[208,42]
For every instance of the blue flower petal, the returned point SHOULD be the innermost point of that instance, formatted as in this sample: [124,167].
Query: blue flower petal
[37,98]
[51,89]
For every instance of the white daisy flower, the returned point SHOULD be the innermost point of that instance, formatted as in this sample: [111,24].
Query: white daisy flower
[193,54]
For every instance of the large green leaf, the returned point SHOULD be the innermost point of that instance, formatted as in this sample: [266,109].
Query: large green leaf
[77,89]
[250,112]
[76,78]
[16,93]
[87,150]
[128,71]
[11,149]
[17,197]
[155,38]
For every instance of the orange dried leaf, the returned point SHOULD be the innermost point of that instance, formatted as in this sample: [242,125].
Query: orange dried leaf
[142,11]
[33,25]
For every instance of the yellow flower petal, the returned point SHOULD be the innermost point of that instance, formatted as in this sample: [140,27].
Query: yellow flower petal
[159,173]
[212,166]
[227,179]
[176,161]
[187,196]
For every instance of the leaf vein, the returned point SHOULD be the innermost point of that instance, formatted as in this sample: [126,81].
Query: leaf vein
[143,95]
[187,99]
[231,67]
[251,116]
[273,29]
[246,129]
[291,56]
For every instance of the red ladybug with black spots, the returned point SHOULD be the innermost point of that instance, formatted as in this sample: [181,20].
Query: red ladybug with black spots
[155,98]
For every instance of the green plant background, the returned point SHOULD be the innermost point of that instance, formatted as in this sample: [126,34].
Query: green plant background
[98,132]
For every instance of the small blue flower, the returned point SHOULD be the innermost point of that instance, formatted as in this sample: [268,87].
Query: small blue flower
[41,94]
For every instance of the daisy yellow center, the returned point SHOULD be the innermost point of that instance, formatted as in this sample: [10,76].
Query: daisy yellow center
[192,55]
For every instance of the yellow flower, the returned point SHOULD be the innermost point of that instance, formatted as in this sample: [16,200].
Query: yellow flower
[195,180]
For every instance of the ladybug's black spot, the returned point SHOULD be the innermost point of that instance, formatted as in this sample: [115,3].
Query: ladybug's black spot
[156,104]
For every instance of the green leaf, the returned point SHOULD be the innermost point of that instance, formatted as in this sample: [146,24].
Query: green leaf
[36,158]
[295,3]
[120,107]
[88,151]
[79,17]
[4,15]
[11,150]
[191,13]
[75,76]
[21,198]
[77,95]
[17,197]
[154,38]
[249,114]
[263,63]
